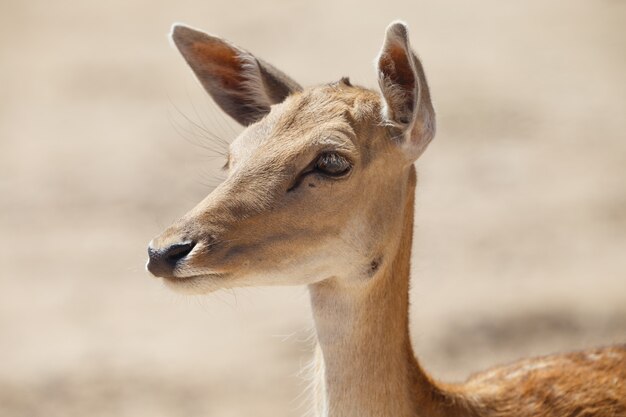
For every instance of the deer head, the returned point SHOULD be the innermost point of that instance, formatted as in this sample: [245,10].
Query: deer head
[316,182]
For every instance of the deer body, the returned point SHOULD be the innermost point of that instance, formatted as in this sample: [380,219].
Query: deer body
[320,192]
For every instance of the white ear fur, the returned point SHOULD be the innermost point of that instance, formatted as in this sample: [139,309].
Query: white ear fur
[407,106]
[253,83]
[244,86]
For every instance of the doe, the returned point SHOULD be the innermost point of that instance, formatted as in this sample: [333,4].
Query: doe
[320,192]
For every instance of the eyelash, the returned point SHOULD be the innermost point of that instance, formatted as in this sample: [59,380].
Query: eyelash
[330,158]
[314,168]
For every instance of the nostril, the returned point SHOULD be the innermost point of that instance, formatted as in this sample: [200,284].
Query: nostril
[162,262]
[177,251]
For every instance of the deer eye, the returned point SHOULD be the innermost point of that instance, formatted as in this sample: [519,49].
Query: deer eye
[332,164]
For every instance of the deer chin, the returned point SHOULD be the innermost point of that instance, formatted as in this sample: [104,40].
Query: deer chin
[205,283]
[197,284]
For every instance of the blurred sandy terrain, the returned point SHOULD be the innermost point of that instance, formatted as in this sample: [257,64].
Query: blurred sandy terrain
[521,223]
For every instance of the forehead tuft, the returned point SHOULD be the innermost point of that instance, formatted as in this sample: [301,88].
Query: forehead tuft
[343,82]
[326,103]
[337,106]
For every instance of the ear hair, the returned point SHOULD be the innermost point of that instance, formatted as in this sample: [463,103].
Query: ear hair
[407,109]
[244,86]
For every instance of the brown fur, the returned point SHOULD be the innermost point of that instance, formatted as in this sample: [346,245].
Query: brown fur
[275,221]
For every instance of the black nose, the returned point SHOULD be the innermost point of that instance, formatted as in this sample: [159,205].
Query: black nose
[163,261]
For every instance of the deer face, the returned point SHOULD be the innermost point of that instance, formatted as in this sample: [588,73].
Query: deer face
[316,182]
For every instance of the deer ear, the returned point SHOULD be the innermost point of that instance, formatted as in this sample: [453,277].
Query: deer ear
[408,111]
[243,86]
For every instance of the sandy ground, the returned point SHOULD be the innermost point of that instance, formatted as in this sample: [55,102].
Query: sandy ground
[521,224]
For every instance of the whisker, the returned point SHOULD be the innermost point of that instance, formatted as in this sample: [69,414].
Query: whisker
[219,118]
[216,143]
[198,139]
[222,141]
[199,126]
[192,137]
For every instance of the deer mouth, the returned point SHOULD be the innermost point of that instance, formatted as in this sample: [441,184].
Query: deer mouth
[195,284]
[188,278]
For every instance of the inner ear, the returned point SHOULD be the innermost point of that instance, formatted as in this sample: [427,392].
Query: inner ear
[244,86]
[408,111]
[398,76]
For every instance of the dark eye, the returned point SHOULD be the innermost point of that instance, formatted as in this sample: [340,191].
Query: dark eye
[332,164]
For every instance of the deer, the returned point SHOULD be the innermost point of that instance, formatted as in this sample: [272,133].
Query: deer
[320,191]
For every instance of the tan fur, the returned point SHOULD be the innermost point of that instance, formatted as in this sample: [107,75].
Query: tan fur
[349,240]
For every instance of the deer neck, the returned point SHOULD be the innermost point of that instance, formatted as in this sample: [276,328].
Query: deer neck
[364,360]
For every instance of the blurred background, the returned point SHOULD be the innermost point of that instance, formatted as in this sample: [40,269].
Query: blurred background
[520,242]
